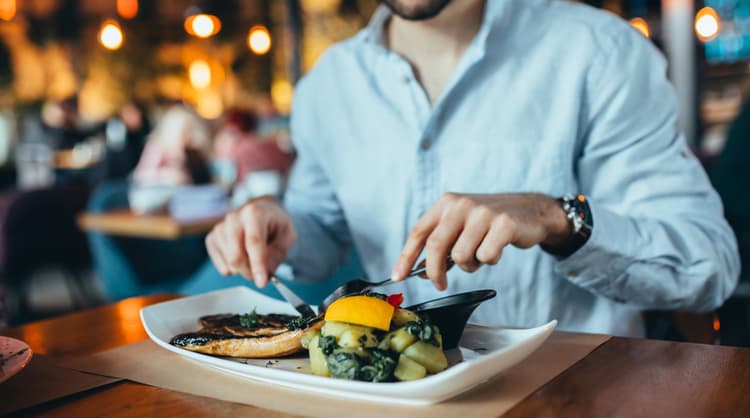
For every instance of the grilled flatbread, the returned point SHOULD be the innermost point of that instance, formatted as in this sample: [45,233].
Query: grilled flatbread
[224,335]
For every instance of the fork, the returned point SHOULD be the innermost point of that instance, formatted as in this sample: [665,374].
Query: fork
[359,286]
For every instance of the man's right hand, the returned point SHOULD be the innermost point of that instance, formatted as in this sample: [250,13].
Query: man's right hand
[252,240]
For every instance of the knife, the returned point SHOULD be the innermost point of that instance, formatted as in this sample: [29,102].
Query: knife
[299,305]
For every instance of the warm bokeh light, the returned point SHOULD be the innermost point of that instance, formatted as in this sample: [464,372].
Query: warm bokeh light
[707,24]
[202,25]
[199,73]
[127,9]
[7,9]
[209,105]
[320,6]
[281,95]
[259,40]
[716,323]
[127,317]
[641,26]
[110,35]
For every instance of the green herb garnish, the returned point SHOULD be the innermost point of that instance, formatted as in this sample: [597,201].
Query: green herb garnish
[250,320]
[298,323]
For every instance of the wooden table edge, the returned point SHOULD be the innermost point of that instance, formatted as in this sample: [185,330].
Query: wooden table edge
[159,226]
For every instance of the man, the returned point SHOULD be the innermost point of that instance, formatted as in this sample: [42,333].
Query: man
[451,127]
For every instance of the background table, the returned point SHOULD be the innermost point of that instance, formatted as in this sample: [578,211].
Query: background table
[160,226]
[623,377]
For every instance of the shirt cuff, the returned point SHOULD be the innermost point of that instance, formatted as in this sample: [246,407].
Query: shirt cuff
[600,264]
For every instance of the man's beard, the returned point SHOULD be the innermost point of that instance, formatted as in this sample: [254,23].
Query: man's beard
[428,11]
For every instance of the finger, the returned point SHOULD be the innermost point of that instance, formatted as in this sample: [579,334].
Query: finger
[256,245]
[232,247]
[415,243]
[215,255]
[491,248]
[280,246]
[438,247]
[285,239]
[274,257]
[465,249]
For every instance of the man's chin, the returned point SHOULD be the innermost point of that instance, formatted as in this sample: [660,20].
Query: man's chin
[406,10]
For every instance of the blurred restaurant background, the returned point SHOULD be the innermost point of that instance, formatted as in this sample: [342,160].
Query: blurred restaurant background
[127,127]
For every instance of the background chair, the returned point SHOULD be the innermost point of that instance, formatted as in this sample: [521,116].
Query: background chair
[38,230]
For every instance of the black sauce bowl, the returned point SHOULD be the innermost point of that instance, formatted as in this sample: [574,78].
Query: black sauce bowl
[451,313]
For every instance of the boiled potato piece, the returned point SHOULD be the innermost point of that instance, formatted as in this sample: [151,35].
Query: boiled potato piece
[408,369]
[400,339]
[350,336]
[318,363]
[432,358]
[308,336]
[358,337]
[402,316]
[334,328]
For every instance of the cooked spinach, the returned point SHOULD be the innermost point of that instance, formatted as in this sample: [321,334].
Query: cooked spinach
[343,365]
[327,343]
[249,320]
[381,366]
[424,330]
[378,367]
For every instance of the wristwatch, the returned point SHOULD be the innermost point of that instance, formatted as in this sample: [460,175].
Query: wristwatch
[581,224]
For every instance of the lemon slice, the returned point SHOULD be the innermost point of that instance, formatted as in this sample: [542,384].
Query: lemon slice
[361,310]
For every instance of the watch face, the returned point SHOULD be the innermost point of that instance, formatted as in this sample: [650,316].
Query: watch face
[579,213]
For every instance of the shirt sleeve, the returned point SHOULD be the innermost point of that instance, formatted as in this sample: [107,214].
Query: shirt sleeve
[660,240]
[310,199]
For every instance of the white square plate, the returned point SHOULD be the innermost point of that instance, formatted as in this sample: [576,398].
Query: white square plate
[482,353]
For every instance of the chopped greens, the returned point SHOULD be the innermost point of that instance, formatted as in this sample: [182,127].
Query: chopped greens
[343,365]
[378,367]
[249,320]
[298,323]
[424,330]
[271,363]
[381,367]
[327,343]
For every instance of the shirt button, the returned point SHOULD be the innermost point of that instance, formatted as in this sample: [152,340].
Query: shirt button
[406,79]
[425,144]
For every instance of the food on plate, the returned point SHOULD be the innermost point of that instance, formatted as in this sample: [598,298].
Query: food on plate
[362,310]
[370,338]
[250,335]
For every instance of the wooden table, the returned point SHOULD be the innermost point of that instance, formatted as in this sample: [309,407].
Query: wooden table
[623,377]
[159,226]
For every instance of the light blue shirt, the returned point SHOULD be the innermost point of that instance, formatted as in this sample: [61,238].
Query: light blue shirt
[550,97]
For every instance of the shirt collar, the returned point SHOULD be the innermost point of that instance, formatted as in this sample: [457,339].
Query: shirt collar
[495,13]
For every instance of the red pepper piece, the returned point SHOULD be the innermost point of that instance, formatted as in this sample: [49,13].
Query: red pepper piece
[395,299]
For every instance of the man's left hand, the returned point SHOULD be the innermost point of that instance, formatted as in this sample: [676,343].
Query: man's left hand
[474,228]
